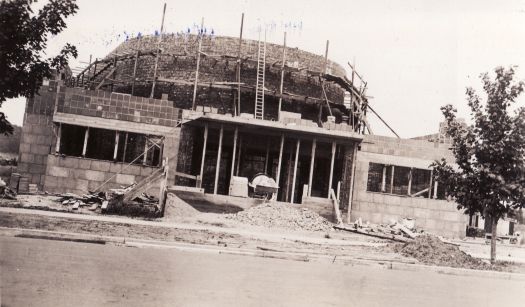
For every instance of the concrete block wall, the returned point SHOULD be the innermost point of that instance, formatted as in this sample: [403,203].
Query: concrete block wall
[123,107]
[439,217]
[38,135]
[80,175]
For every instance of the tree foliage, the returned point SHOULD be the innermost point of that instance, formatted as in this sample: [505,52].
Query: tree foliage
[489,173]
[23,41]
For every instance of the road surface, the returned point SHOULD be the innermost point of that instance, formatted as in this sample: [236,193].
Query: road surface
[36,272]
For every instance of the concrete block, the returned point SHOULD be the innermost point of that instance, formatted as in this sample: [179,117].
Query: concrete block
[421,213]
[102,166]
[452,216]
[124,179]
[40,149]
[82,185]
[50,182]
[84,163]
[69,162]
[115,167]
[24,147]
[92,175]
[145,171]
[58,171]
[37,169]
[132,170]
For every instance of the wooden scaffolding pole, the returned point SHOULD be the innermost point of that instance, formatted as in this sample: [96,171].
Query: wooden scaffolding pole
[158,53]
[239,157]
[282,78]
[205,142]
[201,34]
[86,137]
[238,109]
[312,164]
[278,177]
[218,164]
[115,152]
[234,151]
[352,180]
[295,169]
[332,160]
[59,135]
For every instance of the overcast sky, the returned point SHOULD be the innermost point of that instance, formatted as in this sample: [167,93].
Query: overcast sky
[415,55]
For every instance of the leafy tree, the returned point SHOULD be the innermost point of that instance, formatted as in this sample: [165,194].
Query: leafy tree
[23,40]
[490,154]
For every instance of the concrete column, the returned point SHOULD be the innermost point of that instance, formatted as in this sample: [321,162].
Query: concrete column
[218,165]
[295,168]
[117,136]
[86,136]
[59,134]
[203,153]
[312,163]
[352,180]
[332,160]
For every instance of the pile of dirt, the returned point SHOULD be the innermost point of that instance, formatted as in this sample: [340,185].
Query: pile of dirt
[275,215]
[431,250]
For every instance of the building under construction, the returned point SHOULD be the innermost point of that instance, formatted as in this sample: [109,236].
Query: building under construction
[209,114]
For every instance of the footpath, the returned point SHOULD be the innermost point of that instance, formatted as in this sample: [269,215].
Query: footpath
[334,247]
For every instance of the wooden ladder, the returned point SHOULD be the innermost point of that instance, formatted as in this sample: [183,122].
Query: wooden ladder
[259,88]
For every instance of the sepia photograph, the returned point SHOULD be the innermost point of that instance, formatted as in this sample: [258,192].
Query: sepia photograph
[262,153]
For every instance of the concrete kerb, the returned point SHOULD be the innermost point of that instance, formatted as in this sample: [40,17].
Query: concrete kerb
[294,256]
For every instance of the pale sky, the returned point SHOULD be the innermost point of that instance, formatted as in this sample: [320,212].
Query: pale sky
[415,55]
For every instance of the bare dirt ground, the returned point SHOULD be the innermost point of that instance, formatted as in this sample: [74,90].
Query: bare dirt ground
[266,228]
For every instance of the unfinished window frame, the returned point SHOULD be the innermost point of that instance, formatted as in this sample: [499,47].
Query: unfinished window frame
[381,178]
[149,154]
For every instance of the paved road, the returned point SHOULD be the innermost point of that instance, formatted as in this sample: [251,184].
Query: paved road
[55,273]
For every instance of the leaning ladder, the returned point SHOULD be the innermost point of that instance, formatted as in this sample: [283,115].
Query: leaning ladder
[259,88]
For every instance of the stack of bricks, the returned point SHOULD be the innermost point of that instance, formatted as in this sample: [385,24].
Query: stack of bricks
[119,106]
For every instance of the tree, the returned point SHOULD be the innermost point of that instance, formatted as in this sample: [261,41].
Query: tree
[490,154]
[23,40]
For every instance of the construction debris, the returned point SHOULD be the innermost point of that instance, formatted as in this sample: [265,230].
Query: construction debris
[283,216]
[432,250]
[111,201]
[5,191]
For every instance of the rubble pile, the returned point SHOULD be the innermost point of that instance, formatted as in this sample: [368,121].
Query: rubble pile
[111,202]
[274,215]
[432,250]
[6,192]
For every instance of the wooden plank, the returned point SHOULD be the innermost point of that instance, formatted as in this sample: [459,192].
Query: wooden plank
[281,147]
[238,109]
[115,151]
[193,105]
[312,164]
[201,173]
[352,181]
[336,207]
[183,175]
[105,77]
[234,151]
[158,53]
[218,165]
[332,161]
[86,136]
[281,87]
[59,134]
[298,145]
